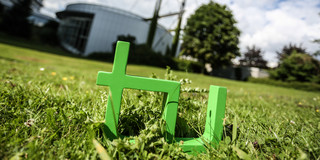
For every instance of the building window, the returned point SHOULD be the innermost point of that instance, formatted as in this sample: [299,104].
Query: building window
[74,32]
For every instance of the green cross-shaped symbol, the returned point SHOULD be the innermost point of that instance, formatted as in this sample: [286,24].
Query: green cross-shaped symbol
[117,80]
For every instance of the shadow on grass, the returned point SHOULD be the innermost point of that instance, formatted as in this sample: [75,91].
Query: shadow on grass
[49,49]
[10,59]
[34,45]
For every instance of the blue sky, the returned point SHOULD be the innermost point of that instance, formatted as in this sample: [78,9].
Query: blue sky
[268,24]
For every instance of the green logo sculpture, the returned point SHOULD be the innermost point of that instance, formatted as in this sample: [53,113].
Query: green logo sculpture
[117,80]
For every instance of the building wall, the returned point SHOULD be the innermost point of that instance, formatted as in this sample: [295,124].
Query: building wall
[240,73]
[258,73]
[106,27]
[108,23]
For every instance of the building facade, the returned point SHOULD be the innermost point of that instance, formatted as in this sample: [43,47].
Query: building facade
[239,72]
[88,28]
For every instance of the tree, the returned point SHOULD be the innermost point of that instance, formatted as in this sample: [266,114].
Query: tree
[127,38]
[298,67]
[287,50]
[253,58]
[1,12]
[211,36]
[48,33]
[15,20]
[317,53]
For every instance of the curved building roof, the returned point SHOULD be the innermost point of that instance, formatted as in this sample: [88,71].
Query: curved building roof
[96,6]
[76,6]
[107,23]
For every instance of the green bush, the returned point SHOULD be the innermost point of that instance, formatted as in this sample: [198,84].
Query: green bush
[189,66]
[298,67]
[141,55]
[48,33]
[307,86]
[102,56]
[146,56]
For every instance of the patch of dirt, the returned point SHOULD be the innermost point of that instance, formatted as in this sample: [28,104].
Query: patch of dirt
[32,59]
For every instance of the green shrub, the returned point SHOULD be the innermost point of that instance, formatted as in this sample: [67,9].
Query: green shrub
[145,55]
[102,56]
[307,86]
[141,55]
[48,33]
[189,66]
[298,67]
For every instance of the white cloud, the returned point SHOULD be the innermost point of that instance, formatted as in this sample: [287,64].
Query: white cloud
[272,24]
[269,24]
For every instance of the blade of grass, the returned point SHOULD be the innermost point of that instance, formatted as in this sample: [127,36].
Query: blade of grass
[234,129]
[101,151]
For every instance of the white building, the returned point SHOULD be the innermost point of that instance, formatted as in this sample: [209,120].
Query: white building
[88,28]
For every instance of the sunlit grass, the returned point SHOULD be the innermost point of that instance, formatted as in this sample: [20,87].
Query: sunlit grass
[51,108]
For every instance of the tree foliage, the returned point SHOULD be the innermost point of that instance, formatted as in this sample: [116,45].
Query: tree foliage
[127,38]
[317,53]
[1,12]
[253,58]
[211,35]
[298,67]
[15,20]
[287,50]
[48,33]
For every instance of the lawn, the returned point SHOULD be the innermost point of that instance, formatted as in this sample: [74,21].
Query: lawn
[51,108]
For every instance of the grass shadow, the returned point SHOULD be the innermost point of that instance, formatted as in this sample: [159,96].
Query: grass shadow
[34,45]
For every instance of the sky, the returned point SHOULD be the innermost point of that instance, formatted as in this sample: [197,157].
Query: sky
[267,24]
